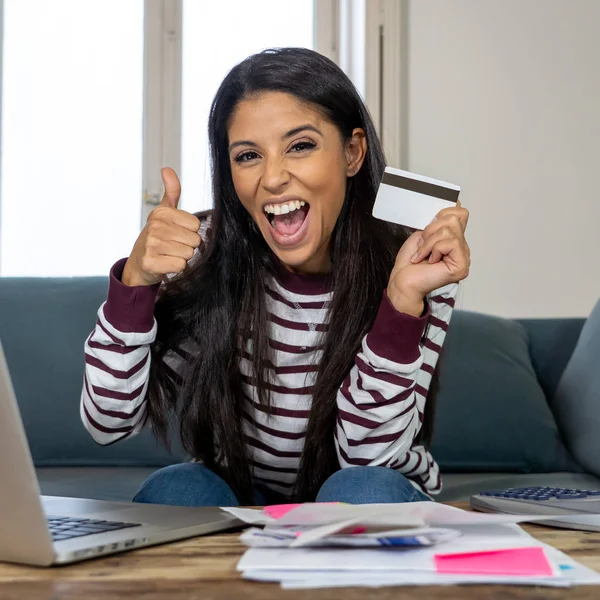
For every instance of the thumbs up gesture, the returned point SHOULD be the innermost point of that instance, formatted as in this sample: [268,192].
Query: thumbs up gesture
[167,242]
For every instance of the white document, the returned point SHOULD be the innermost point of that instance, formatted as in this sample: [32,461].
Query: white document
[572,573]
[473,539]
[252,516]
[280,537]
[305,580]
[362,580]
[407,514]
[317,567]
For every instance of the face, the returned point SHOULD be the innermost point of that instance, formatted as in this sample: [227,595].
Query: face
[290,168]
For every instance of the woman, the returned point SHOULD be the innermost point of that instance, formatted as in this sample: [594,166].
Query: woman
[300,336]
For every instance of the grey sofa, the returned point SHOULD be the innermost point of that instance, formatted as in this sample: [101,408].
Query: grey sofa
[495,425]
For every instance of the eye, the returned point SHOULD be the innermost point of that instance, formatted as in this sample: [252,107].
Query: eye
[246,156]
[303,145]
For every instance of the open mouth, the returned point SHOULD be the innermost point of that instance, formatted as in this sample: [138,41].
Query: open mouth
[287,219]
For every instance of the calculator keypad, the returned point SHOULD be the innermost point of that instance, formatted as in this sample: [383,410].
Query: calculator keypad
[542,493]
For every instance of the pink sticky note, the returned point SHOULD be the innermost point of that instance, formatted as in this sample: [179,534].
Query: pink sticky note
[514,561]
[278,510]
[358,530]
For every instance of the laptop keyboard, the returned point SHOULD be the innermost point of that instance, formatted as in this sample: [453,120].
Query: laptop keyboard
[65,528]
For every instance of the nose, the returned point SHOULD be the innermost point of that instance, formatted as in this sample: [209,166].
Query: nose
[275,177]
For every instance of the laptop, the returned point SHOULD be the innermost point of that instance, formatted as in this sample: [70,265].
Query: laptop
[51,530]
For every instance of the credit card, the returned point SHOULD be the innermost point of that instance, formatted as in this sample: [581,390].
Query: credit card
[412,200]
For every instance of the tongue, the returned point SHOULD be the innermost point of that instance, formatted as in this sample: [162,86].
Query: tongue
[289,224]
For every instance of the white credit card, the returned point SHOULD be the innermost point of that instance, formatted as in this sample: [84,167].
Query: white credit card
[412,200]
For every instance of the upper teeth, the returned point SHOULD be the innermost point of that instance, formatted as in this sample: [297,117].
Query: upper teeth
[284,209]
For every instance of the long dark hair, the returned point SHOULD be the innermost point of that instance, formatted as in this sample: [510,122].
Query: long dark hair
[207,314]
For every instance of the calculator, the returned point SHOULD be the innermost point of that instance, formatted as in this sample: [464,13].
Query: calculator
[560,504]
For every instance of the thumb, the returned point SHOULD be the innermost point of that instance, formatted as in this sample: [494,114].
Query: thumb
[172,188]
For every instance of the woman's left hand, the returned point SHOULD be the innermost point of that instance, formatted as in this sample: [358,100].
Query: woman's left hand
[430,259]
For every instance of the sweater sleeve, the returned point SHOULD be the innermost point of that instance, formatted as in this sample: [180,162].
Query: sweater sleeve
[117,361]
[382,400]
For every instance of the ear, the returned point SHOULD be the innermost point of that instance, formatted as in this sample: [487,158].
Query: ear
[356,150]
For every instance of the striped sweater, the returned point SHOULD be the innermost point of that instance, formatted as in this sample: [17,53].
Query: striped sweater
[380,403]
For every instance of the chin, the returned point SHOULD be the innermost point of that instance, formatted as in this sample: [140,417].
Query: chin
[295,259]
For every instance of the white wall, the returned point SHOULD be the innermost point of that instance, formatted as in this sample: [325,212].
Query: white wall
[504,99]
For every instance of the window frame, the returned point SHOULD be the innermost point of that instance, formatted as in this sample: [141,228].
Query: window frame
[386,78]
[161,144]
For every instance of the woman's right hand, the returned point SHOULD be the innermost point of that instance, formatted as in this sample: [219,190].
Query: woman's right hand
[167,242]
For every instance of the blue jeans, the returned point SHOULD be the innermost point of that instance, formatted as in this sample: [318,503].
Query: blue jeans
[192,484]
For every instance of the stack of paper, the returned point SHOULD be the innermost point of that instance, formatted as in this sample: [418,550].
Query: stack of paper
[422,543]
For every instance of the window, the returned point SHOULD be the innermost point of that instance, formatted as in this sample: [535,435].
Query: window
[72,95]
[75,143]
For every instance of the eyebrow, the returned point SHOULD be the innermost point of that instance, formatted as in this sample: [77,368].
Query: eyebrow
[289,134]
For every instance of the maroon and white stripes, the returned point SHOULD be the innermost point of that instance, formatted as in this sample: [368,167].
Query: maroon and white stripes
[380,403]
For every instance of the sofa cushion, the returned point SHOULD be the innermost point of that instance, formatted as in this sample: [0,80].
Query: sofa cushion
[577,399]
[551,344]
[43,326]
[492,414]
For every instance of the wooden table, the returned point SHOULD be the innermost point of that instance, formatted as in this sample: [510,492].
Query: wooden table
[204,568]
